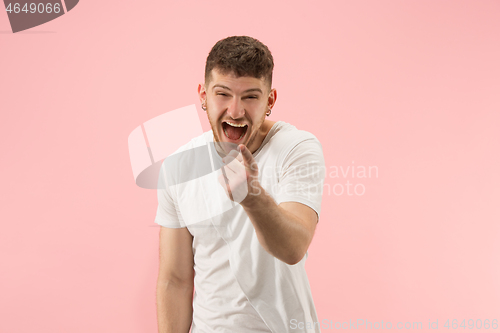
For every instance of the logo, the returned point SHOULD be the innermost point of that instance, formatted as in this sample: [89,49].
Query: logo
[28,14]
[157,163]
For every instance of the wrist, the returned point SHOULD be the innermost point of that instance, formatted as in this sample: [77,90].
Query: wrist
[254,196]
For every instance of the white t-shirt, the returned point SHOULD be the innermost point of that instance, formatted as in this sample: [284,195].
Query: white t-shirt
[239,286]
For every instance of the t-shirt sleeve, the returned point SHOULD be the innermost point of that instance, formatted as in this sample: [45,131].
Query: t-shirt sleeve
[302,175]
[167,213]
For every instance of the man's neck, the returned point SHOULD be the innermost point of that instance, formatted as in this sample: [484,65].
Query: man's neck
[263,131]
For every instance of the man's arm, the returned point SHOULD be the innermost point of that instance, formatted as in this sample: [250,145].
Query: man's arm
[285,230]
[174,290]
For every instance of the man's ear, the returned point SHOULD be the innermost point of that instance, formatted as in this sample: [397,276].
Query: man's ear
[271,100]
[202,93]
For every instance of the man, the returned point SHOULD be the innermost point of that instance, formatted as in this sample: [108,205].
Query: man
[244,262]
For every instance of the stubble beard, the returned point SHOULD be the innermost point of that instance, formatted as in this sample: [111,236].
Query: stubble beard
[218,136]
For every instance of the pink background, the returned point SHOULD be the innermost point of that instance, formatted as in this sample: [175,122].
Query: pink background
[411,87]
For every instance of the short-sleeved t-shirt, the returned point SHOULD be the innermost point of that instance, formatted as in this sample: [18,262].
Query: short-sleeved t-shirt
[239,286]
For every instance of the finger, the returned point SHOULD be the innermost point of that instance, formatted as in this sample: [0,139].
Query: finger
[247,157]
[230,156]
[234,165]
[231,169]
[223,180]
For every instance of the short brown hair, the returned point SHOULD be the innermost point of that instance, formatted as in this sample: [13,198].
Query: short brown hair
[242,56]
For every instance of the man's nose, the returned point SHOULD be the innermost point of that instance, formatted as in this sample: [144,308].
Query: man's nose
[236,109]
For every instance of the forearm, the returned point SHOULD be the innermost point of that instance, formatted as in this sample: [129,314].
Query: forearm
[174,304]
[279,232]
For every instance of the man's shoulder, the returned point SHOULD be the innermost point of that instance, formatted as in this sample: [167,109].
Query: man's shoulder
[287,135]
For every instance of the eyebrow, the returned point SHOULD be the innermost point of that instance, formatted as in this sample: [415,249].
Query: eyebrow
[224,87]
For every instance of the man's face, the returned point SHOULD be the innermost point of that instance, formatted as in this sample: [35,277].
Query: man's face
[236,109]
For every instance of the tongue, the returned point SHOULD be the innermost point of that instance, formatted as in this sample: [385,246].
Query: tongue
[234,133]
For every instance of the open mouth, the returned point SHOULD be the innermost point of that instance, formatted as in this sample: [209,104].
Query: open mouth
[234,131]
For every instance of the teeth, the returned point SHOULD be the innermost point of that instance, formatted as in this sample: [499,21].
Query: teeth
[235,125]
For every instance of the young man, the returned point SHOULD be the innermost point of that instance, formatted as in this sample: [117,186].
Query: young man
[246,262]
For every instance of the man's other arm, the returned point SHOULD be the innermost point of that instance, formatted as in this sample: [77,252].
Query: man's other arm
[174,290]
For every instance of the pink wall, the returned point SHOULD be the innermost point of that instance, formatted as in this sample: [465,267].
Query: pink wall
[409,87]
